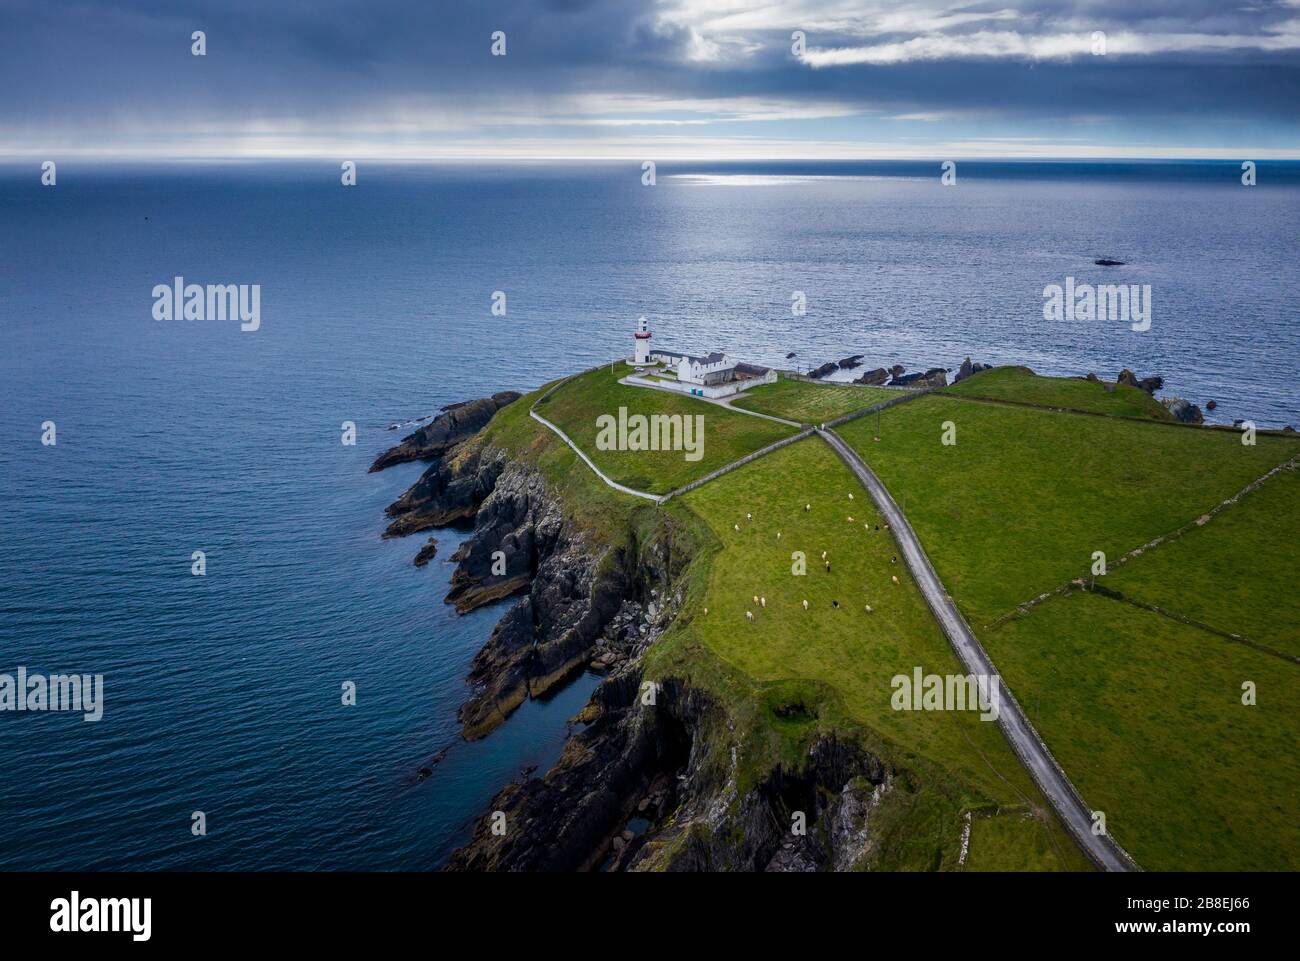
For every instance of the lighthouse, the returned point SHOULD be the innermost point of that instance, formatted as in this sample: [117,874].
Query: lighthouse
[642,335]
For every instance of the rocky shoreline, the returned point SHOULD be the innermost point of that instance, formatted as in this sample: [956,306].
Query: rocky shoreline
[638,786]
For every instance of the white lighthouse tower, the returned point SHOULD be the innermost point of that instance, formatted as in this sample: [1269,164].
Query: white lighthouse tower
[642,335]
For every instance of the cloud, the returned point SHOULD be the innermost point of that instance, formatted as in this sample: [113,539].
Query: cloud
[1011,44]
[413,77]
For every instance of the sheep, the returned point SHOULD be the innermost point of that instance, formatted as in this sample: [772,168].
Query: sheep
[749,615]
[805,604]
[736,528]
[850,495]
[835,603]
[867,608]
[823,555]
[749,517]
[762,602]
[828,567]
[894,578]
[893,559]
[850,520]
[755,598]
[778,535]
[807,508]
[706,610]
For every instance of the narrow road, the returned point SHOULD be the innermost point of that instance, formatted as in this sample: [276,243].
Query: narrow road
[588,461]
[1024,740]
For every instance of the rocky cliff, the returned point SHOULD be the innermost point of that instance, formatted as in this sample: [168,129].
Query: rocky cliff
[657,756]
[454,423]
[581,598]
[662,757]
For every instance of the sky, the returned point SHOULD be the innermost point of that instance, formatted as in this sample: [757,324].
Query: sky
[650,79]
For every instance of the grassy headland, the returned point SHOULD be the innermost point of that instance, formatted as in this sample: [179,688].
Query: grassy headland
[727,436]
[1021,385]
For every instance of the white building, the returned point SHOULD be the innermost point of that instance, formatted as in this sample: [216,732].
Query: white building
[709,375]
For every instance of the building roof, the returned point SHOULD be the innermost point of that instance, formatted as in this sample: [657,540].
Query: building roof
[710,358]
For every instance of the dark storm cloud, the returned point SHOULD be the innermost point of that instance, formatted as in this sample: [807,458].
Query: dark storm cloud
[127,64]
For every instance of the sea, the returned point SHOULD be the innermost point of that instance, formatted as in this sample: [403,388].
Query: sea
[223,693]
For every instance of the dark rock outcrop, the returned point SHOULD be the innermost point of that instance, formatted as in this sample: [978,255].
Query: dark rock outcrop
[455,423]
[1211,404]
[873,378]
[1108,262]
[897,371]
[967,368]
[827,368]
[934,377]
[1149,384]
[427,552]
[448,492]
[1183,411]
[849,363]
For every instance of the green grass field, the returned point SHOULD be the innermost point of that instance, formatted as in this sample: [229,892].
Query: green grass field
[1022,500]
[1145,715]
[1142,711]
[837,662]
[1237,573]
[810,403]
[1022,385]
[728,435]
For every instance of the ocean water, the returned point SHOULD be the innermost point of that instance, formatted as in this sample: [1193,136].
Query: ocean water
[222,692]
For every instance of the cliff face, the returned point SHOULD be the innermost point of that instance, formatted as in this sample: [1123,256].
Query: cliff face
[668,765]
[455,423]
[582,600]
[662,754]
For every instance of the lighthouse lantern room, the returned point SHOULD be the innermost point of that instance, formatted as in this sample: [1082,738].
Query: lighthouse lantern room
[642,335]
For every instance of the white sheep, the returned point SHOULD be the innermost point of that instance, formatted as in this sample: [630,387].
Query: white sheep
[807,508]
[749,615]
[850,520]
[850,495]
[823,555]
[778,535]
[755,598]
[762,602]
[736,528]
[805,605]
[749,517]
[894,578]
[867,608]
